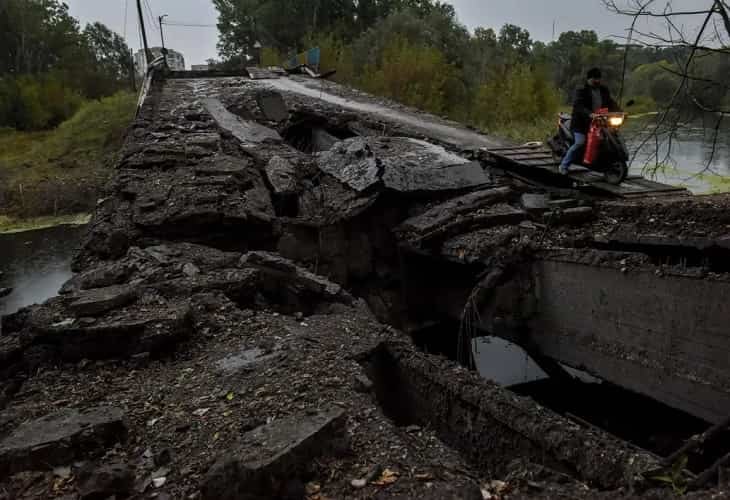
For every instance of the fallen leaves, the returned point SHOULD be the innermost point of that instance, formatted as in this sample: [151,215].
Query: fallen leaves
[314,492]
[494,490]
[387,477]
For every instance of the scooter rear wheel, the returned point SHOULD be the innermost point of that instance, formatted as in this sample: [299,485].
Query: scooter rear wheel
[616,173]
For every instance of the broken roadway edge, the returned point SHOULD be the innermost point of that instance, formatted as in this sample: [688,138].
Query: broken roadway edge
[241,370]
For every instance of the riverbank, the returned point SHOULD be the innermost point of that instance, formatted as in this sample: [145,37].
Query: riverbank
[10,225]
[60,172]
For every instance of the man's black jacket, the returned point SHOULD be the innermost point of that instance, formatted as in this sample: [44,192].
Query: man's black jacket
[583,107]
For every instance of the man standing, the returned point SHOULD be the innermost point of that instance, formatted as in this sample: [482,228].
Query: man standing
[588,99]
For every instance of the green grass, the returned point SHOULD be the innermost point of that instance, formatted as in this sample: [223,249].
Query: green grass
[718,183]
[540,130]
[58,171]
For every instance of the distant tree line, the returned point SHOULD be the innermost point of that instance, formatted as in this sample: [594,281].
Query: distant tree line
[49,65]
[417,52]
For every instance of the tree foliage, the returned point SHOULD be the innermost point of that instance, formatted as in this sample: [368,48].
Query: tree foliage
[417,52]
[48,65]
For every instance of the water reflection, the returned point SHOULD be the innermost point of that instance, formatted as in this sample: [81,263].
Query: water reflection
[35,264]
[505,363]
[696,160]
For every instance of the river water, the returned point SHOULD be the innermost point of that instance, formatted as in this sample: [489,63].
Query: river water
[694,160]
[36,263]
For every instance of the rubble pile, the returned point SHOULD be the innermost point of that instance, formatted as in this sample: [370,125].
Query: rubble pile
[225,335]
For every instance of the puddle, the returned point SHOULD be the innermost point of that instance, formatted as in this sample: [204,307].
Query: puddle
[504,363]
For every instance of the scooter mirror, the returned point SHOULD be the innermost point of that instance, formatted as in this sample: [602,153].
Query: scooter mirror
[630,103]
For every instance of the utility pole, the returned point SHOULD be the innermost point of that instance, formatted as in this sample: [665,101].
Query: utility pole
[147,53]
[162,38]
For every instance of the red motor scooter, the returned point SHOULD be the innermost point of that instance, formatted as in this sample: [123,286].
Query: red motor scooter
[605,150]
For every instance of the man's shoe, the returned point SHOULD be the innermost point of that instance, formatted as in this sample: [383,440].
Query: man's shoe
[563,170]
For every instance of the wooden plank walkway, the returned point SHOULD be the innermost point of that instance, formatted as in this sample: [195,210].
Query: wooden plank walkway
[256,73]
[539,157]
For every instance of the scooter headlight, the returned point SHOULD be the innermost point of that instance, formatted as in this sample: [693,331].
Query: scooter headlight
[616,121]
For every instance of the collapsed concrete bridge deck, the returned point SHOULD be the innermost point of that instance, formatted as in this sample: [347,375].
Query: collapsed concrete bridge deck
[226,320]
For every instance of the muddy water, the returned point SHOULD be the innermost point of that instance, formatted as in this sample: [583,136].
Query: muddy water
[35,264]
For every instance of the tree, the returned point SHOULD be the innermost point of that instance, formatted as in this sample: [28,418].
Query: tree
[47,64]
[242,23]
[700,63]
[109,66]
[34,35]
[515,42]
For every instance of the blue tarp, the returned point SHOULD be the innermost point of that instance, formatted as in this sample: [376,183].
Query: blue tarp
[311,58]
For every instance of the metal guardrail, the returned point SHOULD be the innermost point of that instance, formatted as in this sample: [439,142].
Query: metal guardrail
[148,79]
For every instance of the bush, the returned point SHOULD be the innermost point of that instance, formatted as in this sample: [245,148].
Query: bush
[96,126]
[522,96]
[271,57]
[36,103]
[61,171]
[413,75]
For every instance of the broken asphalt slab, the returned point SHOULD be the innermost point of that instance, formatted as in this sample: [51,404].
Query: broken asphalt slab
[246,131]
[274,456]
[401,164]
[100,300]
[61,438]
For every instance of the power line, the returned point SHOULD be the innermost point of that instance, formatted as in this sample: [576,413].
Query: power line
[126,6]
[190,25]
[151,15]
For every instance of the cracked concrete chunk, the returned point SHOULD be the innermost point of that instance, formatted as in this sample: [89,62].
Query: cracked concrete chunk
[269,261]
[298,280]
[272,456]
[445,212]
[281,175]
[352,162]
[98,301]
[244,130]
[402,164]
[61,438]
[153,325]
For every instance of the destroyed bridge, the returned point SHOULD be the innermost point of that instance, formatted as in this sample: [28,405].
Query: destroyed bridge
[280,293]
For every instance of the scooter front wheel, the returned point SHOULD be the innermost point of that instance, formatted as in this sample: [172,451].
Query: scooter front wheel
[616,172]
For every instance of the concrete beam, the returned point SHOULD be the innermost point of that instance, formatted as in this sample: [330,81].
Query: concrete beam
[665,336]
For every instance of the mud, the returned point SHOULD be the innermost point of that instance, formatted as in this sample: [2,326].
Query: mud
[239,289]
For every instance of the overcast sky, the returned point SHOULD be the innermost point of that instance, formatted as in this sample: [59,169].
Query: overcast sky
[199,44]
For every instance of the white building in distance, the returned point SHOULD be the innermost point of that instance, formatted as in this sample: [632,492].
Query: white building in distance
[175,59]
